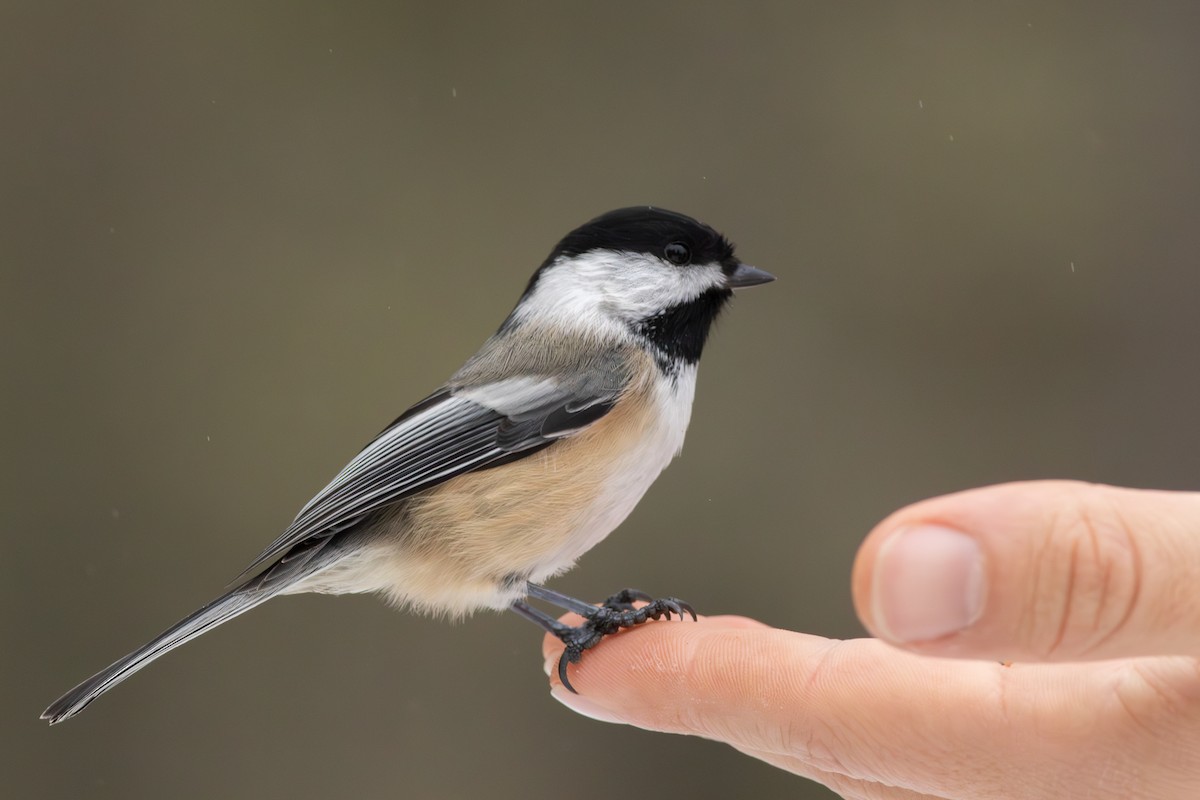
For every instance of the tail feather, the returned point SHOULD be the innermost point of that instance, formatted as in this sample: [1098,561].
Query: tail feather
[285,575]
[221,610]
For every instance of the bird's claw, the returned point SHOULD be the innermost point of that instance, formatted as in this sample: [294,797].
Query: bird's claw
[612,615]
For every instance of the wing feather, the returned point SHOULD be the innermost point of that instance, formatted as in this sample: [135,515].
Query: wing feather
[447,434]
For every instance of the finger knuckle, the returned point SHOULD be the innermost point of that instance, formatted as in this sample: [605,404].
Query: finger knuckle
[821,742]
[1087,575]
[1148,698]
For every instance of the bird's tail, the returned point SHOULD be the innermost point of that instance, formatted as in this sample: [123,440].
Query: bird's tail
[223,609]
[286,574]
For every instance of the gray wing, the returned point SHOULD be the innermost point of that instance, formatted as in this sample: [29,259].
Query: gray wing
[451,432]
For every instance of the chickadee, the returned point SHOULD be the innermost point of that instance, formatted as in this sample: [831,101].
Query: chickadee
[534,451]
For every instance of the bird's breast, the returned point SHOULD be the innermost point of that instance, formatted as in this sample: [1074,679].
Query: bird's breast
[461,545]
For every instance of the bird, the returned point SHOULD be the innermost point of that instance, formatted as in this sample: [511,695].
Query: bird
[536,449]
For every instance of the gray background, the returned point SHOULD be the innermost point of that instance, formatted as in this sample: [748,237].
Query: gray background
[237,239]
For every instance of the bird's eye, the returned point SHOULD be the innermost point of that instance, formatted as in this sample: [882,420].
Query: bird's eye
[678,253]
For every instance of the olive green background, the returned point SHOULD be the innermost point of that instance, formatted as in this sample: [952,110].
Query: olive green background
[236,239]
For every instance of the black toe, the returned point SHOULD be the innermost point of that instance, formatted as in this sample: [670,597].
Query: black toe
[615,613]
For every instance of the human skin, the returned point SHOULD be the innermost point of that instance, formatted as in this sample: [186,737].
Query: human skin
[1065,618]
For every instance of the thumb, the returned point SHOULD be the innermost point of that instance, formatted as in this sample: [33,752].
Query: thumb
[1048,570]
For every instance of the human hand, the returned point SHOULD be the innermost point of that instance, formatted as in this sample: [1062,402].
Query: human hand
[1056,572]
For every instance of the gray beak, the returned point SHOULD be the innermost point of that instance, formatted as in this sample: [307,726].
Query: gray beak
[744,275]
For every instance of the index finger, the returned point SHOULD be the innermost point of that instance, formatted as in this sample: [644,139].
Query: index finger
[862,709]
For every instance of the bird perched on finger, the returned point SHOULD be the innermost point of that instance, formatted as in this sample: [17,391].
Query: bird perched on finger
[534,451]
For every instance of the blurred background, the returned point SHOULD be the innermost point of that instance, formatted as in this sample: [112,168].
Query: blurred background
[236,239]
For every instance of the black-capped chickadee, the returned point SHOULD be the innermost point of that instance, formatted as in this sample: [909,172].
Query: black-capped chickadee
[534,451]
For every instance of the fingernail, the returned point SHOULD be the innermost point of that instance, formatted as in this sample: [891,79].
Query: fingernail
[582,705]
[929,582]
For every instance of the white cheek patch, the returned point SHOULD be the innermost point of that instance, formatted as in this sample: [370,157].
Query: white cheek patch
[610,289]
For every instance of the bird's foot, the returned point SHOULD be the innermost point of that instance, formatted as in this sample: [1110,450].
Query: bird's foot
[612,615]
